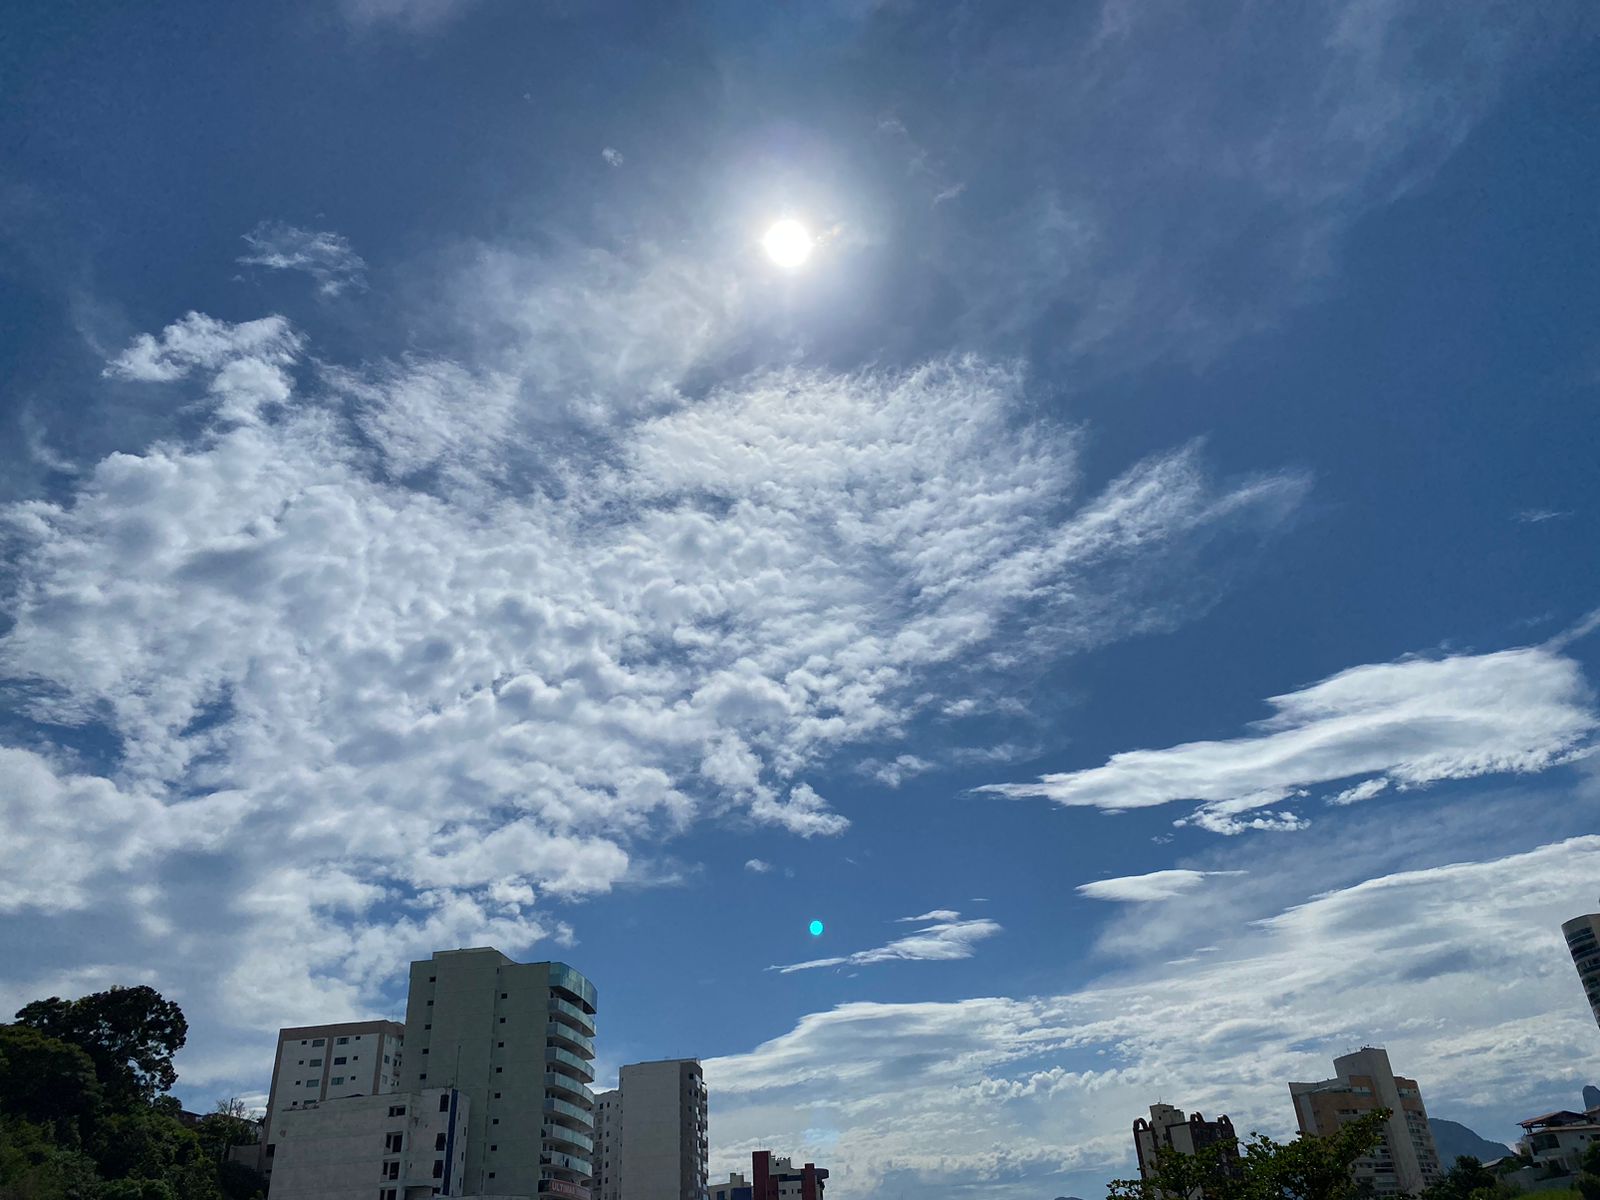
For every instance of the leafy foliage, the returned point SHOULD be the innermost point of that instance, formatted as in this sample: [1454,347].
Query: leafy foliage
[82,1116]
[130,1033]
[1308,1168]
[1469,1179]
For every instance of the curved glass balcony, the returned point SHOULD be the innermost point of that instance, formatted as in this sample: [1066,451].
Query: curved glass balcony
[564,1010]
[561,1110]
[564,977]
[570,1037]
[569,1088]
[568,1140]
[581,1067]
[565,1162]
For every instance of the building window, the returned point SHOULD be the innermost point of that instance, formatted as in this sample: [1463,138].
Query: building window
[316,1041]
[503,995]
[494,1121]
[444,1102]
[429,1026]
[502,1020]
[392,1170]
[424,1049]
[397,1110]
[315,1062]
[438,1142]
[339,1062]
[499,1070]
[344,1041]
[500,1045]
[337,1080]
[497,1095]
[491,1174]
[385,1058]
[272,1149]
[494,1147]
[421,1077]
[431,978]
[430,1003]
[438,1168]
[393,1143]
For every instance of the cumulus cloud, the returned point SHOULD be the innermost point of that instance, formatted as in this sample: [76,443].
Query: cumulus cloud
[325,256]
[1407,723]
[384,687]
[612,156]
[947,939]
[1154,885]
[980,1088]
[757,866]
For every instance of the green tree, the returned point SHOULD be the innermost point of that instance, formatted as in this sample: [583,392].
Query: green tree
[46,1081]
[1469,1179]
[1588,1181]
[131,1033]
[1308,1168]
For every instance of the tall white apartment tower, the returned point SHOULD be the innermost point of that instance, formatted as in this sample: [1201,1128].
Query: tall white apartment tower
[652,1133]
[518,1040]
[1583,940]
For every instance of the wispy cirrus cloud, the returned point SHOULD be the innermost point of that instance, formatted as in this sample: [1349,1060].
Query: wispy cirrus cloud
[1404,724]
[1153,885]
[325,256]
[948,938]
[979,1088]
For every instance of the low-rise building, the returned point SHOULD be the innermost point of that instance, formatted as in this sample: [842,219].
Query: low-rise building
[735,1187]
[398,1146]
[1168,1129]
[776,1178]
[1556,1141]
[315,1063]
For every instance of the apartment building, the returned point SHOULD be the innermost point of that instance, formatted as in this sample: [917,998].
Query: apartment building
[650,1139]
[607,1183]
[517,1040]
[1167,1128]
[1406,1160]
[319,1062]
[396,1146]
[1583,942]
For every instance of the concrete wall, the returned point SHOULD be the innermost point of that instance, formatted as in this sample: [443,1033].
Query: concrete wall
[371,1147]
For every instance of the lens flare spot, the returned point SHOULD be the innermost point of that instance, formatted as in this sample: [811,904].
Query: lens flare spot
[815,928]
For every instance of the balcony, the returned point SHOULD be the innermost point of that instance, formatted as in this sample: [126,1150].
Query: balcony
[561,1112]
[565,1162]
[570,1037]
[569,1089]
[580,990]
[568,1141]
[566,1011]
[565,1059]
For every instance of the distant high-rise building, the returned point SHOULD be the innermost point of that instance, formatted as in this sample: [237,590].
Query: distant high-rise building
[776,1179]
[607,1146]
[650,1141]
[518,1040]
[1406,1159]
[319,1062]
[1168,1128]
[1583,940]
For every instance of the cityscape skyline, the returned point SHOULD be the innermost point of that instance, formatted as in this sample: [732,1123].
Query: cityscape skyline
[974,567]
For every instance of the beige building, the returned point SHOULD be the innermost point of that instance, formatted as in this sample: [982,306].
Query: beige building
[735,1187]
[1167,1128]
[650,1139]
[517,1039]
[320,1062]
[1583,941]
[1406,1160]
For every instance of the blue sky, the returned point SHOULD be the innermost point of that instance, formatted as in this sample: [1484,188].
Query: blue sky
[1134,583]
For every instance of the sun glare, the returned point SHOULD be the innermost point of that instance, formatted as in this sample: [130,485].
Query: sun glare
[788,243]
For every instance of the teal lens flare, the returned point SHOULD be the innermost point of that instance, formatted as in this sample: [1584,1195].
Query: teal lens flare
[816,928]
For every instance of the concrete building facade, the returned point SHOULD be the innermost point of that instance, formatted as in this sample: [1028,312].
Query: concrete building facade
[735,1187]
[1168,1128]
[607,1146]
[1583,942]
[1406,1160]
[1557,1141]
[517,1039]
[776,1178]
[321,1062]
[396,1146]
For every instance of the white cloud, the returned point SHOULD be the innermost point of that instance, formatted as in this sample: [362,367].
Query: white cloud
[327,257]
[498,669]
[1406,723]
[938,914]
[949,938]
[1154,885]
[1537,516]
[612,156]
[979,1089]
[757,866]
[1365,790]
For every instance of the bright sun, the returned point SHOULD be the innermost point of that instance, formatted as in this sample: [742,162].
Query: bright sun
[788,243]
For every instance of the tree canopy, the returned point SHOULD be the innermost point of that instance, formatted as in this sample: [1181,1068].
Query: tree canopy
[1308,1168]
[83,1114]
